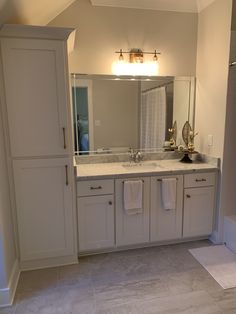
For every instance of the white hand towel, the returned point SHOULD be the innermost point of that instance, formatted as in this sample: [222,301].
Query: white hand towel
[168,193]
[133,197]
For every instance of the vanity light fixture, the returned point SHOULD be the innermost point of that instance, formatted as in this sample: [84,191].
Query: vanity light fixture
[136,64]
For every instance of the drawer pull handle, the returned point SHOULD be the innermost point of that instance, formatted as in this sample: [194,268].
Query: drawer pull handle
[64,137]
[200,180]
[67,181]
[110,202]
[188,196]
[95,187]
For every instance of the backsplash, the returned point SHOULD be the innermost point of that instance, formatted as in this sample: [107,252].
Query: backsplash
[146,156]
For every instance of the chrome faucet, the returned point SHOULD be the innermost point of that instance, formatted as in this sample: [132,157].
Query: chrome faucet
[135,156]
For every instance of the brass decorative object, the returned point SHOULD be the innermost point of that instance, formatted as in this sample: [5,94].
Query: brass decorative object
[185,132]
[175,131]
[191,146]
[173,134]
[188,138]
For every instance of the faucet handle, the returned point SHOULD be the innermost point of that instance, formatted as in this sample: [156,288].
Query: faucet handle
[131,154]
[138,156]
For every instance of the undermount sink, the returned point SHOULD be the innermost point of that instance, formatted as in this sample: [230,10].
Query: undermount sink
[141,165]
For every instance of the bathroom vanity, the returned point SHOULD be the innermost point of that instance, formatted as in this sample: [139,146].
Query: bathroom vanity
[45,190]
[103,223]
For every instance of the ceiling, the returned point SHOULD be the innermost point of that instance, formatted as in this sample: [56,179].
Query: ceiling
[36,12]
[164,5]
[41,12]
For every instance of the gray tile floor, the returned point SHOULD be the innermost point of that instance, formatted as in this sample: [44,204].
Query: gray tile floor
[154,280]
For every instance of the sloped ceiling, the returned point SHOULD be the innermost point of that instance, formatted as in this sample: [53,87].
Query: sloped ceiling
[35,12]
[165,5]
[41,12]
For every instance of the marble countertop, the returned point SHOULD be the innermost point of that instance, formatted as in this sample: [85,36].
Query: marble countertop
[145,168]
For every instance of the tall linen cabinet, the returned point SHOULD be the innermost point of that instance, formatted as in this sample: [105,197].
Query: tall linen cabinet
[37,115]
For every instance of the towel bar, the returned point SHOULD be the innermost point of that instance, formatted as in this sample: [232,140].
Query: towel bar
[133,180]
[160,180]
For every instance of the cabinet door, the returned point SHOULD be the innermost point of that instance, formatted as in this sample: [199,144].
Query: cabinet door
[198,211]
[96,222]
[36,96]
[165,224]
[132,229]
[44,203]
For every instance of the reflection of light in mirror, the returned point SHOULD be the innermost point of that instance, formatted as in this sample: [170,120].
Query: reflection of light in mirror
[139,69]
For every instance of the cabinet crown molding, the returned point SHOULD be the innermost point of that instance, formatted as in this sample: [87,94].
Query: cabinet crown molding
[31,31]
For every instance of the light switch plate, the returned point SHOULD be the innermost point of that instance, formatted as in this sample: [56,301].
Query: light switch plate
[97,122]
[210,140]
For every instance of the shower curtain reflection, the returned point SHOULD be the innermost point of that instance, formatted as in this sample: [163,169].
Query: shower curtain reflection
[153,118]
[80,105]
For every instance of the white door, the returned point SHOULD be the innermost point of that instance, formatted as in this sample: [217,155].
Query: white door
[198,211]
[96,222]
[132,229]
[165,224]
[44,203]
[36,89]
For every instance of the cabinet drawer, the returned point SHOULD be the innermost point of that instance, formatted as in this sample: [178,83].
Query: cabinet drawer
[95,187]
[199,179]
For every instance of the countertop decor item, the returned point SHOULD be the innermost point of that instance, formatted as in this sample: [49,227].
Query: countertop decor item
[186,132]
[188,136]
[173,135]
[186,157]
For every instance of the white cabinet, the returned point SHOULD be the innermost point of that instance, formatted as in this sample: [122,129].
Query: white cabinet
[198,211]
[35,79]
[103,222]
[44,208]
[165,224]
[96,224]
[132,229]
[199,203]
[37,120]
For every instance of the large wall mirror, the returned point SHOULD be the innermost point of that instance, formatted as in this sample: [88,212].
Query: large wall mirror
[115,114]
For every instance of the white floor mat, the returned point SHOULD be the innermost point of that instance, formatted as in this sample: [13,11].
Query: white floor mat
[220,262]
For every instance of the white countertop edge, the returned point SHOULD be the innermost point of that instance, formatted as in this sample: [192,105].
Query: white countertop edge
[114,171]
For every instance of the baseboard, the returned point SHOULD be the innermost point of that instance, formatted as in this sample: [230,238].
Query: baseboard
[48,262]
[214,238]
[142,245]
[7,294]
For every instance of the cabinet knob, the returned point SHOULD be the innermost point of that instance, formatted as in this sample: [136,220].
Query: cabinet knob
[188,196]
[110,202]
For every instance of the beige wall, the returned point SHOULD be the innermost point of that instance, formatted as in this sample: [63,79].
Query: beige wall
[115,105]
[212,75]
[103,30]
[214,30]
